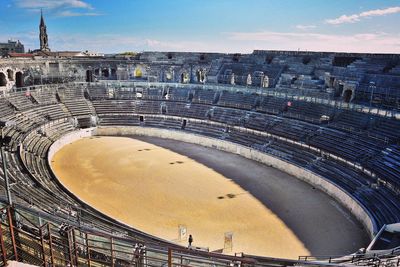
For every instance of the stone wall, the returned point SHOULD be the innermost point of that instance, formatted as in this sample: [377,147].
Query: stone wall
[67,139]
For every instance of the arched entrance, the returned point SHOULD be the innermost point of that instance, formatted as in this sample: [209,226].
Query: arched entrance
[347,94]
[138,73]
[89,76]
[3,80]
[19,79]
[339,90]
[105,73]
[184,77]
[201,75]
[265,81]
[198,75]
[169,75]
[249,80]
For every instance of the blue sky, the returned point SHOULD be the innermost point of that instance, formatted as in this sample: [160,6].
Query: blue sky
[206,25]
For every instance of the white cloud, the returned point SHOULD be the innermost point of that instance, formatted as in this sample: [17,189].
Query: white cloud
[362,42]
[59,8]
[357,17]
[52,4]
[69,13]
[380,12]
[305,27]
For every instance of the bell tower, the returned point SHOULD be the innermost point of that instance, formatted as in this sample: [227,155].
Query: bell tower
[44,41]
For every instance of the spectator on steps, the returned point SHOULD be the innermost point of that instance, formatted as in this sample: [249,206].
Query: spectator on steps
[190,241]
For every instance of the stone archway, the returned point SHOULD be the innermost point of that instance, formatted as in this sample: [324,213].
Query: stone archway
[198,75]
[201,75]
[19,79]
[3,79]
[184,78]
[232,79]
[347,95]
[105,73]
[113,72]
[169,75]
[265,81]
[89,76]
[249,80]
[183,75]
[138,72]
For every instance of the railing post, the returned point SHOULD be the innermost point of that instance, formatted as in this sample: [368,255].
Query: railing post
[50,244]
[69,240]
[11,225]
[6,181]
[3,248]
[75,248]
[43,246]
[169,257]
[112,251]
[88,249]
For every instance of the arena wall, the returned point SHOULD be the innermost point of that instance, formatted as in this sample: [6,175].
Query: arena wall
[67,139]
[315,180]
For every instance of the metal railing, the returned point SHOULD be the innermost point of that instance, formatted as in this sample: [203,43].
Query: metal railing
[48,244]
[376,259]
[28,238]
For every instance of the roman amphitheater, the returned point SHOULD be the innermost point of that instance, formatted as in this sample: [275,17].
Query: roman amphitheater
[273,158]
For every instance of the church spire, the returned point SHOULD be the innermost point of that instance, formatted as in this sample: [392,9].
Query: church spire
[44,42]
[41,18]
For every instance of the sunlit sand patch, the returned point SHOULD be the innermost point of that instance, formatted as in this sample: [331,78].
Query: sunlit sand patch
[155,190]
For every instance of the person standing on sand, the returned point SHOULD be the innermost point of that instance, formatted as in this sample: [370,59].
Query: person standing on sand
[190,241]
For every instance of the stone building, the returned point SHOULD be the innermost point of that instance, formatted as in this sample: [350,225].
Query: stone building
[11,47]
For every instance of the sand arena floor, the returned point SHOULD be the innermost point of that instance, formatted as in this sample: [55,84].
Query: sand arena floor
[155,189]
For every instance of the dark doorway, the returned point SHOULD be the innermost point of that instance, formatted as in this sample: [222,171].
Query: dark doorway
[331,81]
[183,124]
[89,76]
[198,75]
[190,96]
[339,90]
[19,79]
[105,73]
[164,109]
[3,80]
[347,96]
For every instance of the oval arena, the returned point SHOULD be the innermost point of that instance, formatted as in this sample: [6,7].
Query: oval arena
[106,164]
